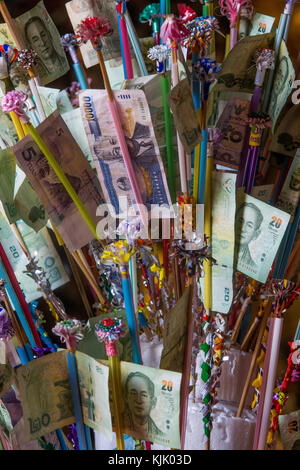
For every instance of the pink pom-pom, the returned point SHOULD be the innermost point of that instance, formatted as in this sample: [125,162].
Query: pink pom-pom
[173,29]
[94,29]
[14,101]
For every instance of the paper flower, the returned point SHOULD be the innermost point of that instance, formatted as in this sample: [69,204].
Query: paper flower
[172,30]
[94,29]
[109,331]
[70,332]
[259,121]
[27,58]
[14,101]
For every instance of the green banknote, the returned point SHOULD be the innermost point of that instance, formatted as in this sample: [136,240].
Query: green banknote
[289,196]
[61,208]
[261,24]
[40,246]
[40,34]
[283,84]
[222,241]
[286,139]
[239,69]
[151,404]
[259,229]
[46,395]
[53,98]
[74,122]
[18,198]
[94,391]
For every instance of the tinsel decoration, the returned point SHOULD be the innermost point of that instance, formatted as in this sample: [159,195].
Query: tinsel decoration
[40,277]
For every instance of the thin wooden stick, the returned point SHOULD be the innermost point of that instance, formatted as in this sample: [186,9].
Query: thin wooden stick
[240,318]
[249,334]
[79,283]
[254,358]
[89,278]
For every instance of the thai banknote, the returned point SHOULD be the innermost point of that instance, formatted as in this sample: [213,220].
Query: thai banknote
[18,260]
[217,100]
[78,10]
[151,86]
[263,193]
[92,347]
[61,209]
[222,241]
[172,357]
[261,24]
[18,198]
[29,206]
[74,122]
[151,404]
[283,84]
[41,35]
[53,98]
[19,441]
[136,122]
[239,69]
[233,125]
[40,246]
[8,133]
[180,100]
[259,229]
[289,427]
[286,139]
[46,395]
[289,196]
[93,384]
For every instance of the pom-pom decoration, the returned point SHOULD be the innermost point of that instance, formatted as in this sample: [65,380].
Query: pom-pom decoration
[94,29]
[159,53]
[110,330]
[173,30]
[27,58]
[13,101]
[259,121]
[70,332]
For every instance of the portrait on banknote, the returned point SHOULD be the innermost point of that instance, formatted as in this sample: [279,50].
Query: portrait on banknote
[151,404]
[259,229]
[38,37]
